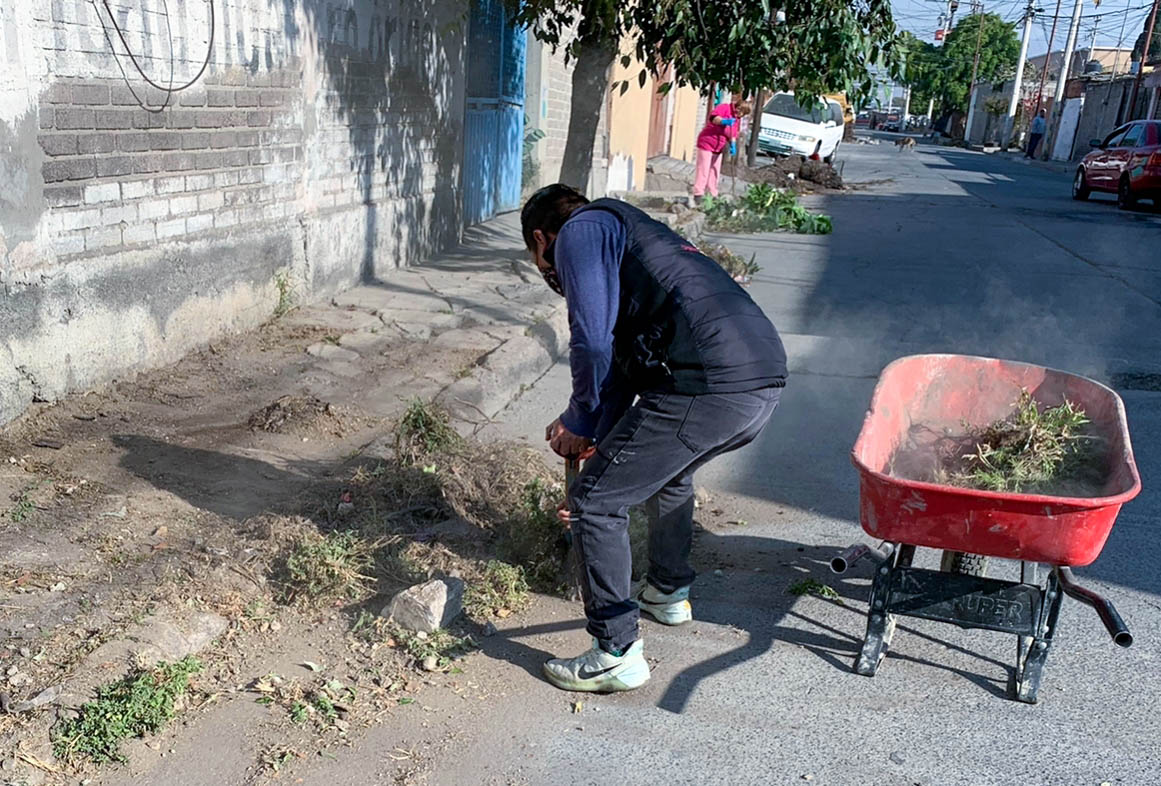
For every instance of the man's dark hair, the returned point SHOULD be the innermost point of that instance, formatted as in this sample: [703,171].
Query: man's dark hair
[548,209]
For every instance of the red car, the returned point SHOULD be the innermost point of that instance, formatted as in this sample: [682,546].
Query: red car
[1127,162]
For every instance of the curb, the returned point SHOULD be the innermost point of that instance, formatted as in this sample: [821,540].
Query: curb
[501,375]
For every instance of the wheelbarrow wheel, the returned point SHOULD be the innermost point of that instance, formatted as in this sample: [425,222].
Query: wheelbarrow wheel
[964,564]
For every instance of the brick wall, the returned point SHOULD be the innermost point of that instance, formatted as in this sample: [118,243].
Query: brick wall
[548,106]
[321,145]
[117,176]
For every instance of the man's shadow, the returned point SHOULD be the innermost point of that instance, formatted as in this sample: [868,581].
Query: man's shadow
[753,595]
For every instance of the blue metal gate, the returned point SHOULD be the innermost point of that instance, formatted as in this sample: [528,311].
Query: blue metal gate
[494,115]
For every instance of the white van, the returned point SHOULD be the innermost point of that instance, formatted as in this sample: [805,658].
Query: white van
[788,129]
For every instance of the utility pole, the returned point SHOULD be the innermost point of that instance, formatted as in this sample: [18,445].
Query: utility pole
[1047,59]
[1069,50]
[1014,102]
[967,134]
[1062,81]
[1144,57]
[1096,23]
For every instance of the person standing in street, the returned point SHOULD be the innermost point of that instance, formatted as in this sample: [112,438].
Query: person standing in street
[672,364]
[720,133]
[1036,133]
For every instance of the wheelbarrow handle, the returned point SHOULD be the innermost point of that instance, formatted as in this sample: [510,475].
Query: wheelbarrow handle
[853,554]
[1104,608]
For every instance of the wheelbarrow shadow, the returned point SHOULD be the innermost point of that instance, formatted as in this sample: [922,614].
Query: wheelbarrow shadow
[755,598]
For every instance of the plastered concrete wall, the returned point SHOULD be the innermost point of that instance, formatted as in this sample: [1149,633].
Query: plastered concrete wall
[321,146]
[686,123]
[1102,103]
[629,120]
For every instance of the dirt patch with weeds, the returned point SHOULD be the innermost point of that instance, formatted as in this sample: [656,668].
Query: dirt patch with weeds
[185,488]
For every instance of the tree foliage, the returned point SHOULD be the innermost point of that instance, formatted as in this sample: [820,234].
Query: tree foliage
[1154,46]
[811,46]
[944,73]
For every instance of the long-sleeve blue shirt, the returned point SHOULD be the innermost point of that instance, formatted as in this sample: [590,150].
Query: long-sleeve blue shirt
[587,255]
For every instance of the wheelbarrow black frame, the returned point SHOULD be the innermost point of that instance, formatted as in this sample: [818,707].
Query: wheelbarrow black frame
[1027,608]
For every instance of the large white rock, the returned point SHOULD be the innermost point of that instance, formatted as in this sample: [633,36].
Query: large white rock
[427,607]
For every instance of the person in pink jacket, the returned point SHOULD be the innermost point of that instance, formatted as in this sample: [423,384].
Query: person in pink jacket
[720,133]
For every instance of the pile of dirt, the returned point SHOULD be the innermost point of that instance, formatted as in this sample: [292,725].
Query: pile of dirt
[298,416]
[791,172]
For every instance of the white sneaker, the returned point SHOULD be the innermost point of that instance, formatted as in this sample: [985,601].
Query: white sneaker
[671,608]
[596,671]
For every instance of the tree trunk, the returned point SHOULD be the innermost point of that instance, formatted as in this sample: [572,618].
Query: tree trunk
[755,127]
[590,81]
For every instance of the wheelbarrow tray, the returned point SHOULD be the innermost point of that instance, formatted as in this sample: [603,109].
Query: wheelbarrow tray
[945,392]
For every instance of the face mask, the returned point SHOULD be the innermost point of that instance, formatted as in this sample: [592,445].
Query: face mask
[552,280]
[549,273]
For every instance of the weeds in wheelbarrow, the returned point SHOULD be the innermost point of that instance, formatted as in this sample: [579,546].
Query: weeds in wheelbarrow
[1043,450]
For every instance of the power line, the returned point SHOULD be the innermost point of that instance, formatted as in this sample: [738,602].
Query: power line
[170,89]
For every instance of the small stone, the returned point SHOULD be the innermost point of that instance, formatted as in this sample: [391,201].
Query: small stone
[25,652]
[898,758]
[46,696]
[12,671]
[427,607]
[489,629]
[808,777]
[421,635]
[275,625]
[9,764]
[430,663]
[701,498]
[718,572]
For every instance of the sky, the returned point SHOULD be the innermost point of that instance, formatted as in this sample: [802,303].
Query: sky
[921,17]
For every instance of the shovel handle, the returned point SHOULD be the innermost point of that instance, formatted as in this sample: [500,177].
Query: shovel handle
[571,471]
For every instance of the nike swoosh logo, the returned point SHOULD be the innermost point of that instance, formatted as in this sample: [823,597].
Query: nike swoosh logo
[585,674]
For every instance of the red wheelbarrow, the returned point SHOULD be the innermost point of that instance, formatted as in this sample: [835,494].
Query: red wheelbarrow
[942,393]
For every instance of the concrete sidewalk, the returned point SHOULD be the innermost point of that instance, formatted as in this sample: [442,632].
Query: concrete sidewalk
[483,298]
[133,507]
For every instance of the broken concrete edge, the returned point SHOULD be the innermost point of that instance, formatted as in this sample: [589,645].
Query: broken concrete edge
[503,374]
[165,637]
